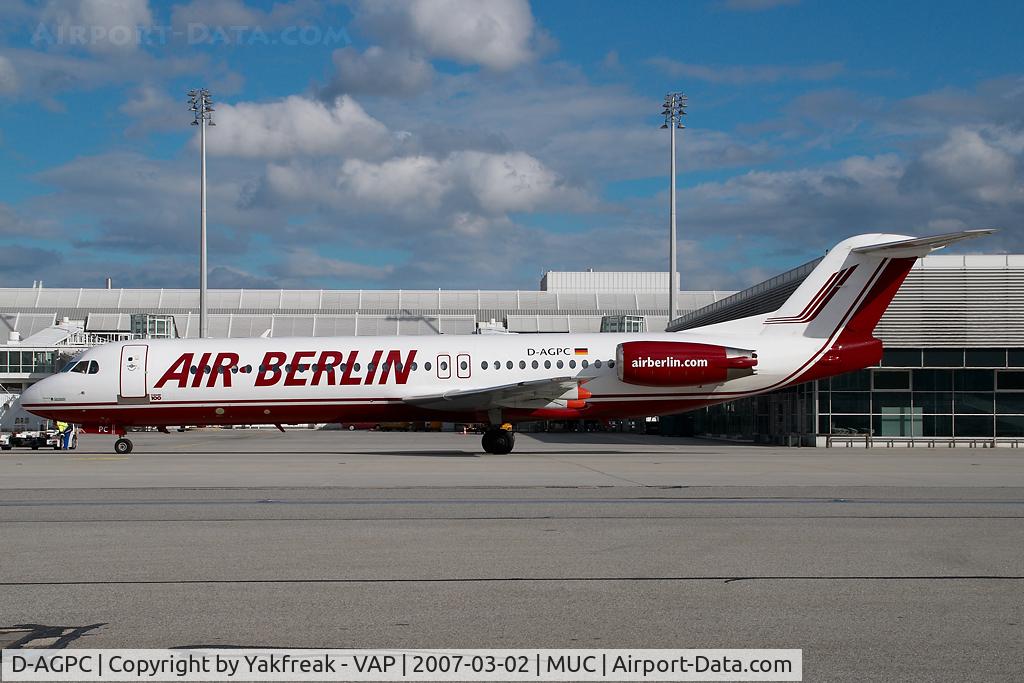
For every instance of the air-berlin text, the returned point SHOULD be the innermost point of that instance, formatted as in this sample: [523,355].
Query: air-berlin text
[301,369]
[670,362]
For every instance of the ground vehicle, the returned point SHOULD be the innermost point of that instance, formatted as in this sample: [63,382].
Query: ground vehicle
[22,429]
[54,439]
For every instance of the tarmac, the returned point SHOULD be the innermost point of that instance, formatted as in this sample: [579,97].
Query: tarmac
[880,564]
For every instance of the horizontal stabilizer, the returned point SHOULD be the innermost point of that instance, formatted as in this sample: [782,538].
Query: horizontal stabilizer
[919,246]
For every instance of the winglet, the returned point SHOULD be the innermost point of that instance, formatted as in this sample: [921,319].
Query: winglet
[920,246]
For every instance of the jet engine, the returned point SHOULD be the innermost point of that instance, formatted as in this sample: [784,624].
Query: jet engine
[675,364]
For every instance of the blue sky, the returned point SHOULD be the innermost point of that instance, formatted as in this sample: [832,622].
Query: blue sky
[477,143]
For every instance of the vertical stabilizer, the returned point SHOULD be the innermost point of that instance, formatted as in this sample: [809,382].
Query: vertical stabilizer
[849,290]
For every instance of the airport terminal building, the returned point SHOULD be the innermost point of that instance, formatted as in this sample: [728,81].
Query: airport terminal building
[953,366]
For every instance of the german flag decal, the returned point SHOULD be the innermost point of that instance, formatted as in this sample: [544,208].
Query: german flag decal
[581,351]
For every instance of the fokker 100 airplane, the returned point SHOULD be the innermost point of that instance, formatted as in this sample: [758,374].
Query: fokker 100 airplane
[825,328]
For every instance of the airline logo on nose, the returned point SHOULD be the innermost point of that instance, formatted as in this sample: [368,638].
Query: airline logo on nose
[304,368]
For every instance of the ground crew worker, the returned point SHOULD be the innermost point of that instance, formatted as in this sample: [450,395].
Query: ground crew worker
[65,431]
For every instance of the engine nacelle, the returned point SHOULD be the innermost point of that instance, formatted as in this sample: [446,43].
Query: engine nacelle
[676,364]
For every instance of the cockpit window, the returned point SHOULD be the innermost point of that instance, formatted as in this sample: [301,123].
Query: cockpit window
[83,367]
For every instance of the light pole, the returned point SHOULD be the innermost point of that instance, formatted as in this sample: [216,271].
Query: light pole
[673,110]
[201,105]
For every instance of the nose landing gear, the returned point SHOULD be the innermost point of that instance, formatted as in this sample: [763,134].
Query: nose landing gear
[499,441]
[123,445]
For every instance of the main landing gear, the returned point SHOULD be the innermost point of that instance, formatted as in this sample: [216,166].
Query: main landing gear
[499,441]
[123,446]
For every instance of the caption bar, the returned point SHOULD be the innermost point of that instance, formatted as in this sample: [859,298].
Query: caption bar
[401,665]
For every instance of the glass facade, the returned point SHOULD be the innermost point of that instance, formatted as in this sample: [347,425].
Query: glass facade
[765,418]
[953,392]
[913,393]
[12,362]
[148,326]
[623,323]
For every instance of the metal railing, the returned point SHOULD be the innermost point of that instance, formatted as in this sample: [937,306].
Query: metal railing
[871,441]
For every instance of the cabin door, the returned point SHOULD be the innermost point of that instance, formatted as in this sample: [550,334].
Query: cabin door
[133,371]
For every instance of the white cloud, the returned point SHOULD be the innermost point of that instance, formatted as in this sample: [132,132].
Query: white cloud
[745,74]
[103,26]
[296,126]
[421,186]
[377,71]
[8,77]
[306,263]
[510,182]
[975,162]
[225,14]
[43,75]
[153,109]
[404,184]
[496,34]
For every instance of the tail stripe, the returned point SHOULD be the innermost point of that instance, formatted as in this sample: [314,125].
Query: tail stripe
[820,300]
[821,292]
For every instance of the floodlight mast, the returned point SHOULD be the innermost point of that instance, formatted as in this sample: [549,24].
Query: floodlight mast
[674,109]
[201,105]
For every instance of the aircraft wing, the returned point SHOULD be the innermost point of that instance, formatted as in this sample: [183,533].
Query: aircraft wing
[542,391]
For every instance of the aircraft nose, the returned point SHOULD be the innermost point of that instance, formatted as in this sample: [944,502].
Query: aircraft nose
[33,396]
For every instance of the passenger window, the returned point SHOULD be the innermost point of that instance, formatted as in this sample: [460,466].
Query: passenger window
[584,363]
[426,366]
[193,369]
[444,365]
[356,367]
[508,364]
[611,364]
[597,363]
[464,365]
[522,365]
[483,365]
[572,364]
[415,366]
[560,365]
[547,365]
[534,364]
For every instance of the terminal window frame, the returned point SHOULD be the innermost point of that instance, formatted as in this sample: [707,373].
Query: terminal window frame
[29,362]
[944,402]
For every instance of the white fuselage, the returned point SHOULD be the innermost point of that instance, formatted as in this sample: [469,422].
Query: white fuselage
[324,379]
